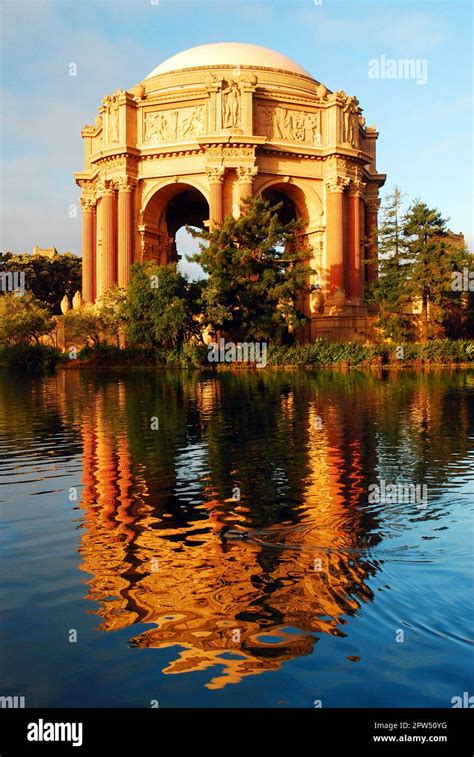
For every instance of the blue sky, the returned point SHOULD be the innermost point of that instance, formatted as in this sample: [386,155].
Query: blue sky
[425,143]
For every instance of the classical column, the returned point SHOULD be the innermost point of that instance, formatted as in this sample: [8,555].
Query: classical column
[355,277]
[245,177]
[109,234]
[335,231]
[215,175]
[371,207]
[125,230]
[88,249]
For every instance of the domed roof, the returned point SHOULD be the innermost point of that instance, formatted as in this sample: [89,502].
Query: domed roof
[228,54]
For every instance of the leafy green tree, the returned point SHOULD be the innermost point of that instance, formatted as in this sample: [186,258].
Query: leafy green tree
[431,257]
[48,279]
[84,325]
[23,319]
[257,271]
[160,307]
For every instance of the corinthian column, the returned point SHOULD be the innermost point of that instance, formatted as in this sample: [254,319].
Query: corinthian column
[125,230]
[88,249]
[109,234]
[335,231]
[355,277]
[245,177]
[216,183]
[371,207]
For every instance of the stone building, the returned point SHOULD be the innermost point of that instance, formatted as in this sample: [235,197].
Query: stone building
[210,126]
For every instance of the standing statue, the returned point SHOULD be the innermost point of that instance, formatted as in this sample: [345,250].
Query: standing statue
[77,301]
[231,105]
[114,120]
[65,304]
[348,116]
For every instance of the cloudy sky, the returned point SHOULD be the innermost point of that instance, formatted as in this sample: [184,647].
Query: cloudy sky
[425,128]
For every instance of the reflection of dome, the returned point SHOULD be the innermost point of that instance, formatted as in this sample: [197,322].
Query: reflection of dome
[228,54]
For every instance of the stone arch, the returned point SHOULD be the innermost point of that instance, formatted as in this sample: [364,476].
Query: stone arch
[165,208]
[306,198]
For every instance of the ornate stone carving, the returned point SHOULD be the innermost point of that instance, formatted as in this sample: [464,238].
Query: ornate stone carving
[125,183]
[292,125]
[88,204]
[350,123]
[337,183]
[246,174]
[164,125]
[221,152]
[215,174]
[356,188]
[104,187]
[112,106]
[231,106]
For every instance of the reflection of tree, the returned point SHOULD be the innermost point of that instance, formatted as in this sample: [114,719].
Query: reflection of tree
[151,539]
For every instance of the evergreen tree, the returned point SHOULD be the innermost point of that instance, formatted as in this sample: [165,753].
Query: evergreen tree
[389,292]
[258,274]
[431,258]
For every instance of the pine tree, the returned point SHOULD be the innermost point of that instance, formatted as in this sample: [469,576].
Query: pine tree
[389,292]
[431,257]
[258,274]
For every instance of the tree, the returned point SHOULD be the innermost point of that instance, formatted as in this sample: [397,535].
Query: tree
[48,279]
[389,292]
[160,307]
[98,323]
[23,319]
[258,274]
[431,257]
[417,258]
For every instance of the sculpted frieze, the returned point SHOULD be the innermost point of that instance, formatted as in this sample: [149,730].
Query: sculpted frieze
[286,124]
[168,125]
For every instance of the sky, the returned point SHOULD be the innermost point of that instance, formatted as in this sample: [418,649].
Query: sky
[425,142]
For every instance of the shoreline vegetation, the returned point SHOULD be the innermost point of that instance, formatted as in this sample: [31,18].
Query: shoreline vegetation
[257,277]
[321,354]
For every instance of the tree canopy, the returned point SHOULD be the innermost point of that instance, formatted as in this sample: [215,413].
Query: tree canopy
[257,272]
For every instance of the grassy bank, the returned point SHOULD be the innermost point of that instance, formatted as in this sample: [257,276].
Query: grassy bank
[316,355]
[319,354]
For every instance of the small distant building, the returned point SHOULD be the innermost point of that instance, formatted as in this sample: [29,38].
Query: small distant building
[47,252]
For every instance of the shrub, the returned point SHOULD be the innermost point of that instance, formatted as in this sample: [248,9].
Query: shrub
[30,358]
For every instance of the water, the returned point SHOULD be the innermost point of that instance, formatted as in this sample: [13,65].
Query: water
[111,529]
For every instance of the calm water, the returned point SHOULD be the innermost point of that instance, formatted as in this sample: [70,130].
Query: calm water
[309,608]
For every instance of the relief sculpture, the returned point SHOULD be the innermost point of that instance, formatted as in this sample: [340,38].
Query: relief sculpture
[294,126]
[165,126]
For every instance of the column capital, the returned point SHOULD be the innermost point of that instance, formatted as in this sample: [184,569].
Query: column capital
[215,174]
[337,184]
[105,187]
[88,204]
[372,203]
[246,174]
[356,188]
[126,184]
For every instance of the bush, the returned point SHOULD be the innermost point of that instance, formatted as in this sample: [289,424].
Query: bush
[110,355]
[30,358]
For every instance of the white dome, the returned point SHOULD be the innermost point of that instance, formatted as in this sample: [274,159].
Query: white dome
[228,54]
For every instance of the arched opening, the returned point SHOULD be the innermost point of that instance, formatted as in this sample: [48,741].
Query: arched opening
[293,209]
[165,218]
